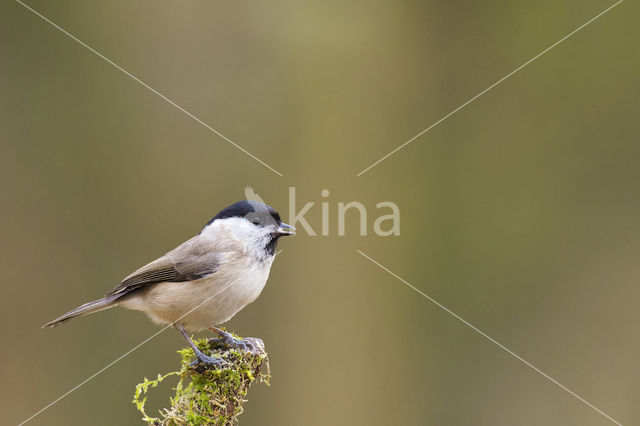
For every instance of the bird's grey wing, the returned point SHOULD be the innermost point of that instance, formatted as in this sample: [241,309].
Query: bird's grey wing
[187,262]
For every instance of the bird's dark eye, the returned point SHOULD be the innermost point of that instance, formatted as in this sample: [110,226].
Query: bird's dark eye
[256,220]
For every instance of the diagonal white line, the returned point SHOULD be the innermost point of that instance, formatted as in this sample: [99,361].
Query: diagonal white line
[127,353]
[476,329]
[491,87]
[151,89]
[92,376]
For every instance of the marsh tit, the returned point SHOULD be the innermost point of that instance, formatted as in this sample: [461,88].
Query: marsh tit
[206,280]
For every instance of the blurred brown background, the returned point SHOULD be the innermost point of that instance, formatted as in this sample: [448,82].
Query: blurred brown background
[520,212]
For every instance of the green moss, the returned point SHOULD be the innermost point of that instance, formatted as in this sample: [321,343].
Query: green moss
[204,396]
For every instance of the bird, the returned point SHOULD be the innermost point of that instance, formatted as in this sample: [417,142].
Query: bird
[204,281]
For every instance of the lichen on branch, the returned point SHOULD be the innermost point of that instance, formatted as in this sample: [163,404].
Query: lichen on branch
[208,396]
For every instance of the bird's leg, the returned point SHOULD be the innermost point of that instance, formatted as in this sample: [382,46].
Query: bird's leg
[226,340]
[205,359]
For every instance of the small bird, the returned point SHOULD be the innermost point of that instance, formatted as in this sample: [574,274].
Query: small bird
[207,279]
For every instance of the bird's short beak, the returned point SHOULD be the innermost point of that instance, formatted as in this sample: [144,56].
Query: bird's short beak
[285,229]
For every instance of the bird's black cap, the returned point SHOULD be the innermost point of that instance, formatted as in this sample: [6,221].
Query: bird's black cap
[244,208]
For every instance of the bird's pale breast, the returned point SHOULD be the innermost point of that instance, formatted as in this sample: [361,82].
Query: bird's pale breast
[205,302]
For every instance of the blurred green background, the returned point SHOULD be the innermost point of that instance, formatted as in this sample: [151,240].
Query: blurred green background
[519,213]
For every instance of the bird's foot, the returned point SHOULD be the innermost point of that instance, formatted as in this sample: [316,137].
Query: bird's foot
[226,340]
[209,362]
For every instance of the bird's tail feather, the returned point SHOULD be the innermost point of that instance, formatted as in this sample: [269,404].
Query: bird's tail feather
[86,309]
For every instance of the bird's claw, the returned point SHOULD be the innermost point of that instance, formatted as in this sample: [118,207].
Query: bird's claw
[226,340]
[213,363]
